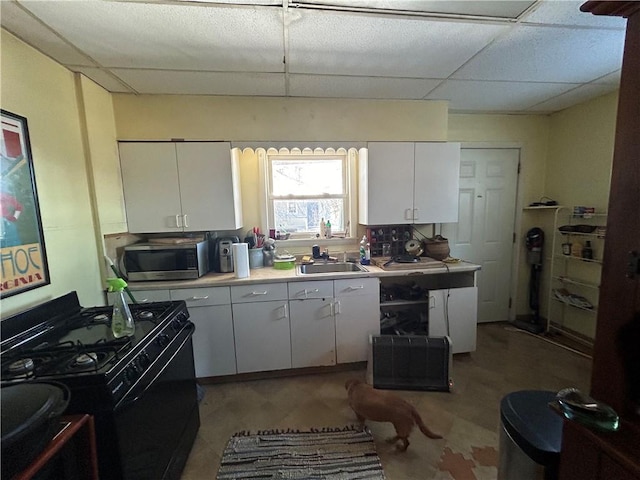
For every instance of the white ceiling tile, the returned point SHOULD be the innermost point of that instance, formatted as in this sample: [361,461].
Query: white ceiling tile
[548,54]
[190,37]
[27,28]
[203,83]
[573,97]
[487,8]
[386,46]
[467,95]
[567,12]
[103,78]
[359,87]
[612,78]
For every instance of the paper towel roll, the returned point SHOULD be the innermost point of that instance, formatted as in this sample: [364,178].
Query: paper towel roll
[240,259]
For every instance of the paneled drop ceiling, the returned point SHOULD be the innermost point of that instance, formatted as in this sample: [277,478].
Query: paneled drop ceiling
[483,56]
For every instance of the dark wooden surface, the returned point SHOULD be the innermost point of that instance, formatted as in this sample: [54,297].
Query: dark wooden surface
[585,454]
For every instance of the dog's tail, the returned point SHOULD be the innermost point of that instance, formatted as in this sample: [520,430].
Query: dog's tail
[423,428]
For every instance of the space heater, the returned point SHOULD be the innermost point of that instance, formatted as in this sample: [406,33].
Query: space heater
[410,362]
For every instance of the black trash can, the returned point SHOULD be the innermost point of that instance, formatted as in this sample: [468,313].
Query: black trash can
[530,436]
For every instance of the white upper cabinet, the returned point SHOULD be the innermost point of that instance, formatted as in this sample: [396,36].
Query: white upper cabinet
[409,182]
[180,186]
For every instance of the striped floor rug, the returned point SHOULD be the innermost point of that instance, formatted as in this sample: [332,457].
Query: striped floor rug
[342,453]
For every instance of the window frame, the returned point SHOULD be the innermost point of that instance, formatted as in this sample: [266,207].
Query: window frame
[349,172]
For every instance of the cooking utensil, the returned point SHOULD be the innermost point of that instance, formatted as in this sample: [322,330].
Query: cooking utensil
[414,247]
[30,419]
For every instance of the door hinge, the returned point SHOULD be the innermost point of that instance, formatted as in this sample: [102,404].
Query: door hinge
[519,165]
[514,237]
[509,302]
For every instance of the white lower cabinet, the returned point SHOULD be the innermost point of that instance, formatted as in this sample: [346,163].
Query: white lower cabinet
[453,312]
[313,331]
[357,316]
[213,340]
[261,327]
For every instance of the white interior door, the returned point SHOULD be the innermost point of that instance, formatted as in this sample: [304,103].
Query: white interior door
[484,232]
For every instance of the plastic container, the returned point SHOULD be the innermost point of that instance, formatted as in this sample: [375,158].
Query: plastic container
[284,262]
[121,320]
[256,258]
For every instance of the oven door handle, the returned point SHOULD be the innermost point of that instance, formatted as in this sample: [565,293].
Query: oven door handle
[126,403]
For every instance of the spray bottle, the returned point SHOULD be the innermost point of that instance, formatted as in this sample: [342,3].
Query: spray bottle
[121,320]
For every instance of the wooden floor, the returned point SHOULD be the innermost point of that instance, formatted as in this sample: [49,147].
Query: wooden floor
[506,360]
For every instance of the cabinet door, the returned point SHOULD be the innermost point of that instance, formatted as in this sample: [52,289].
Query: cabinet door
[313,332]
[386,184]
[150,183]
[436,182]
[456,308]
[213,343]
[357,313]
[262,336]
[209,187]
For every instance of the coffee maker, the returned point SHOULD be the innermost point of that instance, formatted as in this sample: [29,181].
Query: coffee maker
[222,258]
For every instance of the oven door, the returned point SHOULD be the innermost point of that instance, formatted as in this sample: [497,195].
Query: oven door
[157,421]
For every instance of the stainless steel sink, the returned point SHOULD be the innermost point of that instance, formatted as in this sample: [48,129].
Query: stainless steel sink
[330,267]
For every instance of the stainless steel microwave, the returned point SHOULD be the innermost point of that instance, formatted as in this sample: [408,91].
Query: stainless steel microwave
[147,261]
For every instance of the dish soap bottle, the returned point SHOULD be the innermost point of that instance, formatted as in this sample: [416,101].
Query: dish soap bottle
[365,254]
[121,319]
[328,229]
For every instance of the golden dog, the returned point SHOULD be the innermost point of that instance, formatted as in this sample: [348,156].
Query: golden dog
[382,406]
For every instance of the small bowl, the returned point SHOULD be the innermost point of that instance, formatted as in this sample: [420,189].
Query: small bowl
[285,262]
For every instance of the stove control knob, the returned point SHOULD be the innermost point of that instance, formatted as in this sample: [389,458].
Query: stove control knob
[143,360]
[163,340]
[130,375]
[176,324]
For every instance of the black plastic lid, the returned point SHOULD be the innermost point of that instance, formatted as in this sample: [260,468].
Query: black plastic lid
[535,428]
[27,406]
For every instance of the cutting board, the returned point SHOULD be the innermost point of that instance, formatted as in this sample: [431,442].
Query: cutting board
[424,262]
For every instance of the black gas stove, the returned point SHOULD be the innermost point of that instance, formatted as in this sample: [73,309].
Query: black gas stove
[140,389]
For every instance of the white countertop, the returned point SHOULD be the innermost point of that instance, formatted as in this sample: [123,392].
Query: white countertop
[271,275]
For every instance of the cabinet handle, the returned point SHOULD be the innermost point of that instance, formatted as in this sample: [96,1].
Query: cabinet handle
[178,224]
[185,221]
[416,214]
[432,301]
[357,287]
[259,293]
[307,292]
[407,214]
[199,298]
[336,308]
[284,311]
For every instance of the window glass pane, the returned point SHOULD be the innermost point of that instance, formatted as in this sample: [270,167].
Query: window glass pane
[307,177]
[305,215]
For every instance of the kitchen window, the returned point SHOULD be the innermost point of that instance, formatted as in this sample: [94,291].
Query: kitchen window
[303,187]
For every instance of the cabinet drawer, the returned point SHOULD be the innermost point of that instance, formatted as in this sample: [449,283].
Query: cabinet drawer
[200,297]
[259,292]
[313,289]
[147,296]
[356,287]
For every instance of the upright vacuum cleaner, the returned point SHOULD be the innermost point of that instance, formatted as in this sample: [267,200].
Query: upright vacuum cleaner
[534,241]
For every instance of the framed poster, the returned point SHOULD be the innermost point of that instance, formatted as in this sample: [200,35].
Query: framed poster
[23,259]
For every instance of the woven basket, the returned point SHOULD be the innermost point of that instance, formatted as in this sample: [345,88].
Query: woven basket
[437,247]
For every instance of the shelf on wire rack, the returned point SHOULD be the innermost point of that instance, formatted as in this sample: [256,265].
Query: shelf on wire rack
[572,281]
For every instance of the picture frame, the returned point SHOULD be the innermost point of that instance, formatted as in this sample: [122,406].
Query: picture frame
[23,259]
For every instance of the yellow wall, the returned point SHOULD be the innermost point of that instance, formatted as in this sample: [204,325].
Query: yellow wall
[163,117]
[581,144]
[44,92]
